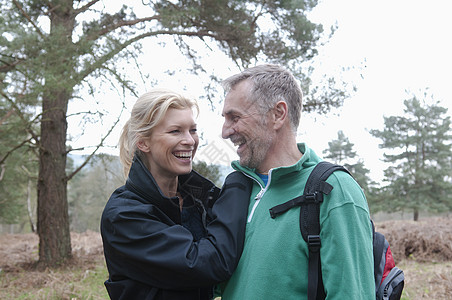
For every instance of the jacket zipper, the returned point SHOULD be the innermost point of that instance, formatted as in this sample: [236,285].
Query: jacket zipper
[259,195]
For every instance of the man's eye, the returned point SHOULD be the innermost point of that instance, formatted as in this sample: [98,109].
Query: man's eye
[194,130]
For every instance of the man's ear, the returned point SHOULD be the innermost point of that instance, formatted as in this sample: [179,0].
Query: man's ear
[143,145]
[280,114]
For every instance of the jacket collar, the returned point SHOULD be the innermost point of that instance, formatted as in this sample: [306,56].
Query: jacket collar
[141,181]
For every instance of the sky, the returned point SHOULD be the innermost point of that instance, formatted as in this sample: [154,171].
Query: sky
[390,46]
[405,45]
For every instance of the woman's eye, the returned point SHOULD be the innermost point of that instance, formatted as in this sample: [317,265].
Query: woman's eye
[174,131]
[194,130]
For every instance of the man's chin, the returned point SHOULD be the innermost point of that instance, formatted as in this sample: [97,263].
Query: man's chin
[244,161]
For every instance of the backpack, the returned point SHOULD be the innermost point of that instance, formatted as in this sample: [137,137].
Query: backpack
[389,280]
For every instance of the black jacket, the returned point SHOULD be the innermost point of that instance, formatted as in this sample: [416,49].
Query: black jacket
[150,255]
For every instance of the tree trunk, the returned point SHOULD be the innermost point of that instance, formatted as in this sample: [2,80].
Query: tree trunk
[53,218]
[30,210]
[416,215]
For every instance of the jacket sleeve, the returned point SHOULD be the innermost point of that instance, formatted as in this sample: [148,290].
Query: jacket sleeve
[147,250]
[346,253]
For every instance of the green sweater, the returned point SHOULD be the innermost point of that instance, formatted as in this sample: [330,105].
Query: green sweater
[274,262]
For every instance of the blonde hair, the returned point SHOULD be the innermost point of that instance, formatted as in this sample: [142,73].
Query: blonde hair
[147,112]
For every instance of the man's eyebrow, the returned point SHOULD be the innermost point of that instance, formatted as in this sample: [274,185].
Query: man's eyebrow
[229,112]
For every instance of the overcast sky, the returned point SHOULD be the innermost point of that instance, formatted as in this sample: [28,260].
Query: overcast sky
[397,45]
[406,45]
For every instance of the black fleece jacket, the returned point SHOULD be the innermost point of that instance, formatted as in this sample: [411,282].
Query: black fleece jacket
[150,255]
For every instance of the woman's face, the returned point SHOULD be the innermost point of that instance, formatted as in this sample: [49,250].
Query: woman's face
[172,145]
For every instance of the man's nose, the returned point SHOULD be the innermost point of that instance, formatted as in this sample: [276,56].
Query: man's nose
[227,129]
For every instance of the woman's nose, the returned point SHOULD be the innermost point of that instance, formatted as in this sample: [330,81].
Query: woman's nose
[188,139]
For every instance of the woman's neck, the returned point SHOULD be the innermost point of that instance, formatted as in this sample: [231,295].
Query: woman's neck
[168,185]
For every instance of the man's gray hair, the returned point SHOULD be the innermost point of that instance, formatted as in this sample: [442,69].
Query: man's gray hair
[271,83]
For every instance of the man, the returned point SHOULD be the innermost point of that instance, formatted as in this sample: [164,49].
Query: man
[262,112]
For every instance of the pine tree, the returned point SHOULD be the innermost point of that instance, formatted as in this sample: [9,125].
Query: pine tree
[341,151]
[49,50]
[418,147]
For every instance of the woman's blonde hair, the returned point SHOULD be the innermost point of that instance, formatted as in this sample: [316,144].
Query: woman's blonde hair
[147,112]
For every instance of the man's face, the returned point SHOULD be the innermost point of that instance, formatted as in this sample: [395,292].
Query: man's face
[246,127]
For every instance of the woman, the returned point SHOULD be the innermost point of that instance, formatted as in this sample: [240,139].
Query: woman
[169,233]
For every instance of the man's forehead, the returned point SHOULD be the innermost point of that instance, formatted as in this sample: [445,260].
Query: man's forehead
[238,107]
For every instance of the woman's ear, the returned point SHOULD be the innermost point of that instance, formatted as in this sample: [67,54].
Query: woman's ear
[143,145]
[280,114]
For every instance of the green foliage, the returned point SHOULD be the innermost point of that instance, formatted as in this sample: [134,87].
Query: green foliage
[210,171]
[50,51]
[236,24]
[341,151]
[418,147]
[18,168]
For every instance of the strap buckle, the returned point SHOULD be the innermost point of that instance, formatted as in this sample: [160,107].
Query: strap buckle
[312,198]
[314,243]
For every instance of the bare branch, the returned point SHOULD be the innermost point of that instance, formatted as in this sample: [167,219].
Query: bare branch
[85,7]
[124,83]
[30,212]
[8,66]
[117,25]
[28,18]
[8,114]
[29,174]
[14,149]
[2,172]
[102,60]
[82,113]
[69,177]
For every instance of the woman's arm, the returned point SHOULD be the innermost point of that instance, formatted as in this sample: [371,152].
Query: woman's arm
[141,247]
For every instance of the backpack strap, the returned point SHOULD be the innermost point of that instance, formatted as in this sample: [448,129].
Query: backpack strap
[309,202]
[316,187]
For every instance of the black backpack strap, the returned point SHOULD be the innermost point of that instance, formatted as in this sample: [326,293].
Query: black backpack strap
[316,187]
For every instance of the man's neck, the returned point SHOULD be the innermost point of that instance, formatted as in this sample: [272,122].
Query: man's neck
[280,156]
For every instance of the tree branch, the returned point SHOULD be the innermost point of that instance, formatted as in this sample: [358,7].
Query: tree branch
[21,116]
[28,18]
[103,59]
[6,67]
[8,114]
[69,177]
[14,149]
[85,7]
[114,26]
[2,172]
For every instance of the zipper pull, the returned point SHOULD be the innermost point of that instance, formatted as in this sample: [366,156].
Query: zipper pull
[259,195]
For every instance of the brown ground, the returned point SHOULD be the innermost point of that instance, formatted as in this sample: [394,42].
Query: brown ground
[21,250]
[19,275]
[422,249]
